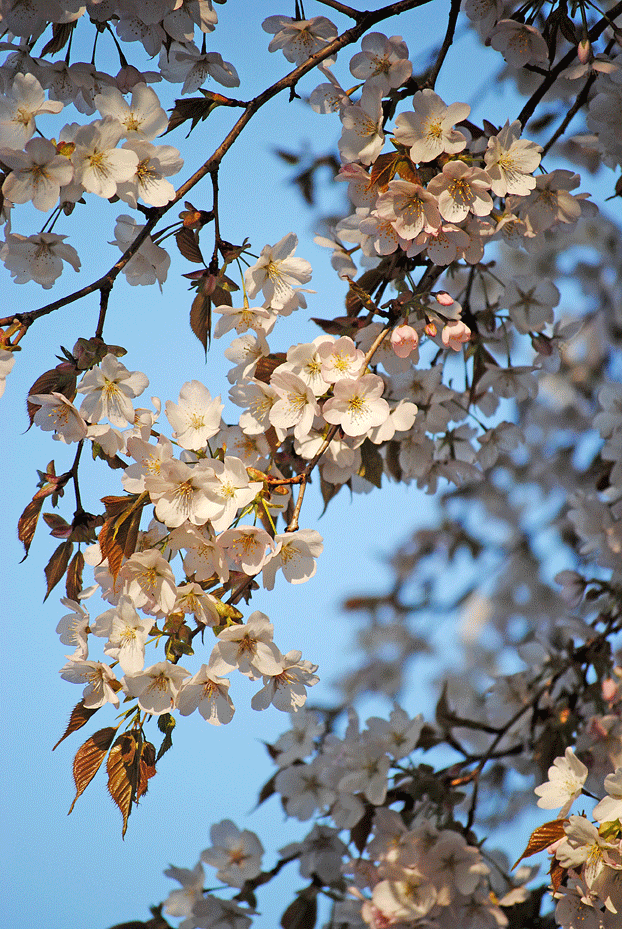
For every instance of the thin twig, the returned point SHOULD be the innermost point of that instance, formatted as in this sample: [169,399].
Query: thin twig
[447,42]
[342,8]
[594,33]
[364,22]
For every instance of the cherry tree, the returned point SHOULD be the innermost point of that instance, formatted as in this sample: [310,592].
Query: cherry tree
[473,355]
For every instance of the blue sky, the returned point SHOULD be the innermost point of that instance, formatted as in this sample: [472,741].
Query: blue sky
[76,872]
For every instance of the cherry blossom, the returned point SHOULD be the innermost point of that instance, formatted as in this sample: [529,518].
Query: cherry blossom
[383,61]
[98,164]
[101,683]
[566,779]
[235,853]
[109,390]
[57,414]
[37,257]
[36,174]
[277,271]
[157,687]
[519,43]
[299,38]
[208,693]
[357,405]
[196,417]
[155,163]
[511,161]
[287,689]
[295,555]
[461,190]
[143,118]
[429,130]
[150,263]
[362,137]
[248,648]
[18,108]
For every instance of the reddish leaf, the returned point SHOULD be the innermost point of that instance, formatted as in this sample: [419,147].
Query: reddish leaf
[557,873]
[27,522]
[118,537]
[88,760]
[122,774]
[544,836]
[372,464]
[80,715]
[146,770]
[201,319]
[59,380]
[60,528]
[266,365]
[302,912]
[192,108]
[166,724]
[57,565]
[73,585]
[60,37]
[188,244]
[361,832]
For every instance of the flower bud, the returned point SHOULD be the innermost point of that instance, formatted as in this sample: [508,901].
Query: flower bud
[404,340]
[584,51]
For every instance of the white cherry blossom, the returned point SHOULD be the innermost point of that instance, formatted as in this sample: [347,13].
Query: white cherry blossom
[157,687]
[567,776]
[382,60]
[98,164]
[24,100]
[511,161]
[37,174]
[247,647]
[208,693]
[299,38]
[276,272]
[295,555]
[195,417]
[109,389]
[57,414]
[235,853]
[143,118]
[357,406]
[362,137]
[429,132]
[37,257]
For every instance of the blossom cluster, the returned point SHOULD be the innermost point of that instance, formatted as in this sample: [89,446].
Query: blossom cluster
[590,854]
[452,226]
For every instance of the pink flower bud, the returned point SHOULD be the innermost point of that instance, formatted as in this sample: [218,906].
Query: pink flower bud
[609,688]
[455,334]
[443,298]
[584,51]
[430,330]
[404,340]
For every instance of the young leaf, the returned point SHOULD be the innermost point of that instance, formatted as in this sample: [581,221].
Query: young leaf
[56,380]
[166,724]
[201,319]
[302,912]
[88,760]
[73,584]
[80,715]
[57,565]
[27,523]
[122,778]
[188,244]
[542,837]
[118,537]
[372,464]
[146,770]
